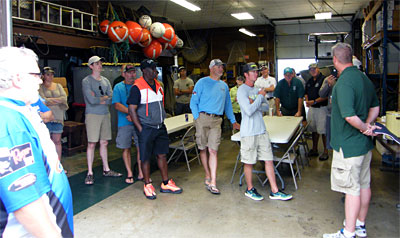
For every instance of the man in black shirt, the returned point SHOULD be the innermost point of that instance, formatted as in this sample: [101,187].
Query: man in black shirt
[317,110]
[146,108]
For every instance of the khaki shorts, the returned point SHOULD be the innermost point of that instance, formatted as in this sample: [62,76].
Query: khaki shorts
[349,175]
[316,118]
[253,148]
[208,131]
[98,127]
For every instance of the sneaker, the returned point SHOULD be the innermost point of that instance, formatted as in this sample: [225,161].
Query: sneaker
[89,180]
[338,234]
[324,157]
[170,187]
[361,231]
[312,153]
[253,194]
[111,173]
[149,191]
[280,196]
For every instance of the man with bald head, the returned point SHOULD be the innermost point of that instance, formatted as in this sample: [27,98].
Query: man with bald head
[354,107]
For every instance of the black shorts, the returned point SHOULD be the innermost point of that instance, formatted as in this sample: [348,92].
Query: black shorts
[153,141]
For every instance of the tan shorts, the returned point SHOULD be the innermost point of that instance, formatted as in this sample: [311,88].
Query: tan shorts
[253,148]
[316,118]
[98,127]
[208,132]
[349,175]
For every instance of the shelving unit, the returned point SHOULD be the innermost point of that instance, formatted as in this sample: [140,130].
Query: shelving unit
[380,39]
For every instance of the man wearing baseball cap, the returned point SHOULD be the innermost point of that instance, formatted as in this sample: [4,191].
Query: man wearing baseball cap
[268,83]
[126,129]
[254,143]
[146,108]
[317,110]
[209,101]
[97,94]
[289,93]
[183,88]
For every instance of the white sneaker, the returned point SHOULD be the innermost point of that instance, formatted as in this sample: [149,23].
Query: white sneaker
[338,234]
[361,231]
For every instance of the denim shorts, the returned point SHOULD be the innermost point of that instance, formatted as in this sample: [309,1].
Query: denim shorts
[55,127]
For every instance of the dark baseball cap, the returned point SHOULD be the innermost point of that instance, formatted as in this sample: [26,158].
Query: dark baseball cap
[147,63]
[129,67]
[250,67]
[181,68]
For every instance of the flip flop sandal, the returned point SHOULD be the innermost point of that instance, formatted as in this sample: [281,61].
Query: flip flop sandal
[207,182]
[130,179]
[89,180]
[213,189]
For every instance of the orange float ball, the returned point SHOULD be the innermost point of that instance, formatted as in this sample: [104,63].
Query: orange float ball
[146,39]
[118,31]
[172,43]
[168,35]
[104,26]
[135,32]
[153,50]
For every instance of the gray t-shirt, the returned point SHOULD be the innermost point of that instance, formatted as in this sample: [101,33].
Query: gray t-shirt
[92,90]
[252,119]
[183,84]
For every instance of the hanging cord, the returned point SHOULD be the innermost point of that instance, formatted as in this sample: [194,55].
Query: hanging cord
[117,50]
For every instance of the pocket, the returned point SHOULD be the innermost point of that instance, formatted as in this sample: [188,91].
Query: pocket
[247,143]
[341,174]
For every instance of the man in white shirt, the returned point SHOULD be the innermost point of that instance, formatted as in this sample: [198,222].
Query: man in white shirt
[268,83]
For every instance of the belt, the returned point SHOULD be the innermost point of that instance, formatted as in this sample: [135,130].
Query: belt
[211,115]
[270,98]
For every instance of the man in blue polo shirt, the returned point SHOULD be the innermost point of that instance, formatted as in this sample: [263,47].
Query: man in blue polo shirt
[209,101]
[35,196]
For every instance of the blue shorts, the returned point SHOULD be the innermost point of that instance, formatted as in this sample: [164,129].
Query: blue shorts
[55,127]
[152,141]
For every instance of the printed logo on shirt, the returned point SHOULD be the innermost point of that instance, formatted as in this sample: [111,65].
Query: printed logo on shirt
[23,182]
[15,158]
[194,93]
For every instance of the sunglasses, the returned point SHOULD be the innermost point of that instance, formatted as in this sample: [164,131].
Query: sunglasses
[101,91]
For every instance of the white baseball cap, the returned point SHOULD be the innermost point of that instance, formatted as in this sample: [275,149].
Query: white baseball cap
[95,59]
[216,62]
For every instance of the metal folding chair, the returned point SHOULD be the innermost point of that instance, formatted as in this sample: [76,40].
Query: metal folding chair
[185,144]
[290,157]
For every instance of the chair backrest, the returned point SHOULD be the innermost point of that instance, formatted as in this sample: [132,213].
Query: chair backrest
[63,82]
[295,140]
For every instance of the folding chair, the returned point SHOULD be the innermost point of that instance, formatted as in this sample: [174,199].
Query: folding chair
[303,144]
[185,144]
[290,157]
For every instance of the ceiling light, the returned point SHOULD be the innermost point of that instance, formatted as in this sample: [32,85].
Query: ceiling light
[323,15]
[244,31]
[187,5]
[242,16]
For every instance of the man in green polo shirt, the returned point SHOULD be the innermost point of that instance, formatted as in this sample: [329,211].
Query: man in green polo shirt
[354,106]
[289,95]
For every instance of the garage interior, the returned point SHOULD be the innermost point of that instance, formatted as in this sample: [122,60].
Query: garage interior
[65,34]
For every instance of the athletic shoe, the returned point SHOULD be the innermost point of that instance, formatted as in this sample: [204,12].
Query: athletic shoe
[361,231]
[170,187]
[149,191]
[338,234]
[253,194]
[280,196]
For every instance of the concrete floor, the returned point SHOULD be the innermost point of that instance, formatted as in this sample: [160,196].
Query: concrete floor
[314,210]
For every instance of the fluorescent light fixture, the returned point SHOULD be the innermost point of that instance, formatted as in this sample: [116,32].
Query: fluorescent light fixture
[187,5]
[323,15]
[244,31]
[328,41]
[242,16]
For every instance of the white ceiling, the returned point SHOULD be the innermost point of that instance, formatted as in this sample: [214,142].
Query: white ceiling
[216,13]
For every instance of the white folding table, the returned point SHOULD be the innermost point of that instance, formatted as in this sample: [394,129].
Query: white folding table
[179,122]
[280,130]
